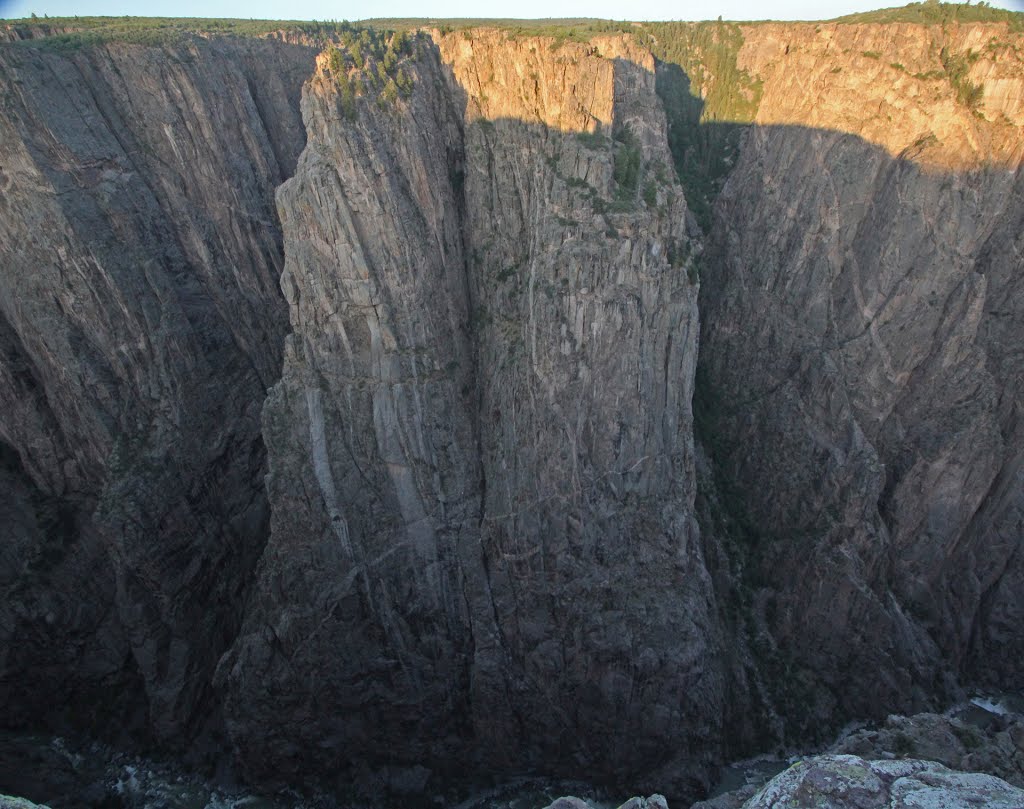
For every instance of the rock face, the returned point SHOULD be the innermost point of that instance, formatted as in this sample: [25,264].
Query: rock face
[7,802]
[863,390]
[483,545]
[996,747]
[653,802]
[849,782]
[140,324]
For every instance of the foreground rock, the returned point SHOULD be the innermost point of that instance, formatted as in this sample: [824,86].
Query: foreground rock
[849,782]
[7,802]
[653,802]
[996,747]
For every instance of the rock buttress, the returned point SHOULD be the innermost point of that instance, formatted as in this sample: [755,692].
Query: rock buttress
[483,543]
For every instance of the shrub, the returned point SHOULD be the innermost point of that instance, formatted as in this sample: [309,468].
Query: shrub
[957,66]
[347,95]
[592,140]
[651,193]
[628,159]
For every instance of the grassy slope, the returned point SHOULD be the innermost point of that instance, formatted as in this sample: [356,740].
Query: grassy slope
[933,13]
[71,33]
[158,28]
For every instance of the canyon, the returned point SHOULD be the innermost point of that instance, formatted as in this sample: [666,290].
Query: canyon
[604,406]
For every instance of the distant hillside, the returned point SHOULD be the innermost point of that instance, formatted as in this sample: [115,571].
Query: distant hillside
[70,33]
[934,13]
[74,32]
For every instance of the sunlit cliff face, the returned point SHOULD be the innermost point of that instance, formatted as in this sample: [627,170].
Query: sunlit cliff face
[527,80]
[948,98]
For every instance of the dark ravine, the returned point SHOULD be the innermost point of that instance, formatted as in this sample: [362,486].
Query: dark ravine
[142,324]
[444,504]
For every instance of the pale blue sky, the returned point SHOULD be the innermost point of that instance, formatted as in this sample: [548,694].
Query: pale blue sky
[361,9]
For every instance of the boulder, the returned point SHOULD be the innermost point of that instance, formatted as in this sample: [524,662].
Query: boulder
[850,782]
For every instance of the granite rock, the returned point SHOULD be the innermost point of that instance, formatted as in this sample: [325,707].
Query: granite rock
[849,782]
[481,461]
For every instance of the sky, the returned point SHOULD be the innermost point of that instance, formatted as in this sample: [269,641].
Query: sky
[362,9]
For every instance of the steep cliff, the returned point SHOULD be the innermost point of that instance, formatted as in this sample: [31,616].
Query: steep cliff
[141,325]
[483,544]
[860,376]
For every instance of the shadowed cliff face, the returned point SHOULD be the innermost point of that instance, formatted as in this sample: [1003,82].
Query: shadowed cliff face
[141,324]
[483,544]
[860,383]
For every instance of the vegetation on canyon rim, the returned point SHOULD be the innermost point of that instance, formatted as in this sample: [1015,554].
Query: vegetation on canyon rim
[367,61]
[708,99]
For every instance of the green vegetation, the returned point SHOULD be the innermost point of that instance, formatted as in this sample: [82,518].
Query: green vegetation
[708,53]
[628,166]
[365,60]
[956,70]
[969,737]
[650,193]
[346,89]
[957,66]
[679,43]
[902,744]
[708,100]
[72,33]
[368,62]
[577,29]
[592,140]
[929,12]
[932,12]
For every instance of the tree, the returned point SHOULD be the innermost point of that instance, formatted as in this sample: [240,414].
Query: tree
[335,61]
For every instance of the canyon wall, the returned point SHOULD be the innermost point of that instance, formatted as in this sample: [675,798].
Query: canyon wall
[141,323]
[862,381]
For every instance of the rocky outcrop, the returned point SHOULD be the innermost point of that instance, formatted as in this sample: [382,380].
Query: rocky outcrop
[946,97]
[483,546]
[653,802]
[7,802]
[995,747]
[974,738]
[861,387]
[584,371]
[141,324]
[845,782]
